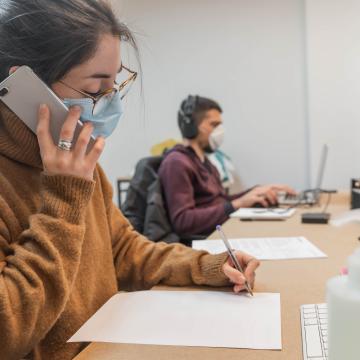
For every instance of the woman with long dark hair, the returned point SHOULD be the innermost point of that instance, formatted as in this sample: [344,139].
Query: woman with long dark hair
[65,249]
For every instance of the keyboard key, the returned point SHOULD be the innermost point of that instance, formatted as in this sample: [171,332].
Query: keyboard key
[313,343]
[322,306]
[310,310]
[311,321]
[311,315]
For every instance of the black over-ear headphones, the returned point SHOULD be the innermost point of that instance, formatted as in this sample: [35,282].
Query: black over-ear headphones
[186,120]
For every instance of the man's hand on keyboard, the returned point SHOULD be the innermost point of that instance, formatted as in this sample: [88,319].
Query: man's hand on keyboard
[262,195]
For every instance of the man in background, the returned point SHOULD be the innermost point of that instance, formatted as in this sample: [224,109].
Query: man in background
[194,196]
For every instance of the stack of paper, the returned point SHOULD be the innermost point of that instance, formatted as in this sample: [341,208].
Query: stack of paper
[347,217]
[280,248]
[263,214]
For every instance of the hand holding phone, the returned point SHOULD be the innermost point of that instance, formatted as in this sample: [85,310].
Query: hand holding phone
[77,162]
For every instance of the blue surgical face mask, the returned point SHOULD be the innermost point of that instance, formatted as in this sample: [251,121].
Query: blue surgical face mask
[106,120]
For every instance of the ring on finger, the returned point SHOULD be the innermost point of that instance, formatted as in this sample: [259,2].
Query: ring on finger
[65,144]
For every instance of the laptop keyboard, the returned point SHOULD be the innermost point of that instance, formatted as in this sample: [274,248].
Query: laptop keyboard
[301,198]
[294,197]
[314,331]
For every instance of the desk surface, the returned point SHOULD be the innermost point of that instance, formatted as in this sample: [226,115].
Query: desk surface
[298,281]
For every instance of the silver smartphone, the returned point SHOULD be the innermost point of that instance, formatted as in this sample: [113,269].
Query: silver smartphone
[23,92]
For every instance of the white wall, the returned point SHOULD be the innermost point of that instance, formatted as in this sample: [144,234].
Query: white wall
[247,54]
[333,43]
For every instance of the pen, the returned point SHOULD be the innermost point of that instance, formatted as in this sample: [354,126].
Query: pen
[233,257]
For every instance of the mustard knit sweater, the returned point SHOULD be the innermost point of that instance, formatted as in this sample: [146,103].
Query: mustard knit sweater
[65,249]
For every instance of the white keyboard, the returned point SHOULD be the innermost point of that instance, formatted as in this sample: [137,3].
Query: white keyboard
[314,331]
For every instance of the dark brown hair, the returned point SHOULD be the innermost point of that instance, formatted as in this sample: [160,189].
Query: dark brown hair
[203,105]
[53,36]
[200,107]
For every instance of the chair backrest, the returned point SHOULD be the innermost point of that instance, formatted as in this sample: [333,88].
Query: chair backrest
[144,206]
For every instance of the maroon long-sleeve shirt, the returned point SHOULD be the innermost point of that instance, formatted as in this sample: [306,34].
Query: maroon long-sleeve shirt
[195,198]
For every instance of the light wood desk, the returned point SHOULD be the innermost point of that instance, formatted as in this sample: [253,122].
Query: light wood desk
[298,281]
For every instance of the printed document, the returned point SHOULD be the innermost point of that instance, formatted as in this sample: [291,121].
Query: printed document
[272,248]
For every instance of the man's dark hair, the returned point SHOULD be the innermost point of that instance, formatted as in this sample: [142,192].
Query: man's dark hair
[53,36]
[201,107]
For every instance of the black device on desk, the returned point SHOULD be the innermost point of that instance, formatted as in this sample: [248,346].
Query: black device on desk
[315,218]
[355,193]
[318,217]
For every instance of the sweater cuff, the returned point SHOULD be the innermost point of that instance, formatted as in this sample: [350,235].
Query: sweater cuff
[211,268]
[228,208]
[65,197]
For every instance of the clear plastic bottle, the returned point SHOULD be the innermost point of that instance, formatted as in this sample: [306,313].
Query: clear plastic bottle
[343,299]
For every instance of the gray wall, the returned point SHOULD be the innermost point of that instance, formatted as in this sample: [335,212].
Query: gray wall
[333,44]
[285,71]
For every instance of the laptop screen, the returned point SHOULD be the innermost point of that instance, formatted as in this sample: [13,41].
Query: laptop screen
[320,176]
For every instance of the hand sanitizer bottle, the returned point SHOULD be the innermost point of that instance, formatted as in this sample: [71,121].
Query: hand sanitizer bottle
[343,299]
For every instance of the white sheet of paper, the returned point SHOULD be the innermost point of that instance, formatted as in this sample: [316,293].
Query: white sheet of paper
[187,318]
[263,214]
[347,217]
[272,248]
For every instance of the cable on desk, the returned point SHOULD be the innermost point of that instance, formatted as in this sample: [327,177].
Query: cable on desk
[327,202]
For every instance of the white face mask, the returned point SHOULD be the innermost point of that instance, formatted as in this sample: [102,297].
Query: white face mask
[216,138]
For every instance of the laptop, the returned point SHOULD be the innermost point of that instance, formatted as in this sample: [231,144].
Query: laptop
[311,196]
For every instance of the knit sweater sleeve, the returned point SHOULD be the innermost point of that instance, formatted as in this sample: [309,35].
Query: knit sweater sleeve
[38,267]
[141,263]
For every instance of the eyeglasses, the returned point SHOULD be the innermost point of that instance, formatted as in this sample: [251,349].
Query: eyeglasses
[105,97]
